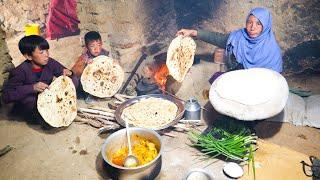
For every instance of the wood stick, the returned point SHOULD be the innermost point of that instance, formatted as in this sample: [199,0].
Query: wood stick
[179,130]
[126,96]
[112,105]
[101,118]
[92,116]
[179,98]
[189,121]
[86,116]
[79,122]
[180,126]
[170,94]
[5,150]
[93,111]
[106,122]
[118,102]
[101,109]
[168,134]
[121,99]
[80,119]
[91,122]
[191,124]
[108,128]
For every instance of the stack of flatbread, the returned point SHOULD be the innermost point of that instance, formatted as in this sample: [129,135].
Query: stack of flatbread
[58,104]
[150,113]
[103,77]
[180,57]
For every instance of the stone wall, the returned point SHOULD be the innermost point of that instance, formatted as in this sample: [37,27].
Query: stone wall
[130,27]
[16,13]
[295,23]
[5,62]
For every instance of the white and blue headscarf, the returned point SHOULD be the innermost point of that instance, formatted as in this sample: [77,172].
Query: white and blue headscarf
[262,51]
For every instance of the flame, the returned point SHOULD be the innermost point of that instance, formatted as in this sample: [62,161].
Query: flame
[161,75]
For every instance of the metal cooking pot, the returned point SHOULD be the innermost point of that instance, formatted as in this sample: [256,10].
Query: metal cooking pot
[117,140]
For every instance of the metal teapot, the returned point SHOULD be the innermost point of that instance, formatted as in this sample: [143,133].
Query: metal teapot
[192,109]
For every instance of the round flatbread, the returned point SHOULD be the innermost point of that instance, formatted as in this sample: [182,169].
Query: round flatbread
[150,113]
[180,57]
[249,94]
[58,104]
[103,77]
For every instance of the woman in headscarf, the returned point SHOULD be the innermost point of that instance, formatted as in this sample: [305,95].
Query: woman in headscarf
[252,46]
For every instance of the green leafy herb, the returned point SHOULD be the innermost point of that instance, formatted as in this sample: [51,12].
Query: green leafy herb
[228,139]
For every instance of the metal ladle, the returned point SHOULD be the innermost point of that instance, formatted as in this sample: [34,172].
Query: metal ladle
[131,160]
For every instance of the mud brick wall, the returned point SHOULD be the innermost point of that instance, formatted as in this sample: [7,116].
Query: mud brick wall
[129,28]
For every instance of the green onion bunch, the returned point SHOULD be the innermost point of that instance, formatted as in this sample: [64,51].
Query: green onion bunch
[228,139]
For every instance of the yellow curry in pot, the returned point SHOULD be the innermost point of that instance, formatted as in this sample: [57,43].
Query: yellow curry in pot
[142,148]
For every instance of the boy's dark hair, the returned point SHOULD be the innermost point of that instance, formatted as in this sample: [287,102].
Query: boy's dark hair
[91,36]
[28,44]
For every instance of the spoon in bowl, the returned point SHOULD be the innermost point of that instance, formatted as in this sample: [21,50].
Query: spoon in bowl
[131,160]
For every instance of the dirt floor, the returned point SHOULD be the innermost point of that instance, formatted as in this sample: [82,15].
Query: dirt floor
[74,152]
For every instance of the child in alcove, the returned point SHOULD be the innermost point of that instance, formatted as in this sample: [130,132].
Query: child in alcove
[93,48]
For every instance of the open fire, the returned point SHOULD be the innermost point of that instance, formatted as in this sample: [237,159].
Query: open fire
[155,78]
[161,76]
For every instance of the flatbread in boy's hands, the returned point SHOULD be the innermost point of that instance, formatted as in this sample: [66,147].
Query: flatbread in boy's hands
[180,57]
[58,104]
[103,77]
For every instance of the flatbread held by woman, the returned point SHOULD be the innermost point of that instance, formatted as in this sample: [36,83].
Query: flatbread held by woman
[180,57]
[103,77]
[58,104]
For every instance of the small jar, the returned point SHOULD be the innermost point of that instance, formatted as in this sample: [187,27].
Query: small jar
[192,109]
[218,56]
